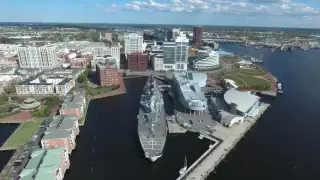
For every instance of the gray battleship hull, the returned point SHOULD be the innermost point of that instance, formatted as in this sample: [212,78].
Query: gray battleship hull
[152,124]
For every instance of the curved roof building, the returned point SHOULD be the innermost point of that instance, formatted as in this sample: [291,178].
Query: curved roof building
[245,102]
[206,60]
[189,91]
[29,104]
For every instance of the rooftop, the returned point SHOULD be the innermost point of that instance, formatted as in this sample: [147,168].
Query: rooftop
[53,133]
[243,99]
[43,162]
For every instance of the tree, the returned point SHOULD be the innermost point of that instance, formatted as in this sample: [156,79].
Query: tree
[82,78]
[95,36]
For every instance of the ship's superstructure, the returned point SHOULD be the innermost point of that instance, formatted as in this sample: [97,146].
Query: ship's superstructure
[152,125]
[190,94]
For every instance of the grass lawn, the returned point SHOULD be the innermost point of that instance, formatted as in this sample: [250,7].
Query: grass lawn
[250,72]
[22,134]
[243,80]
[103,90]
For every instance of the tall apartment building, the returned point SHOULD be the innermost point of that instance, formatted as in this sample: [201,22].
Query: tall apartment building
[37,57]
[175,54]
[133,43]
[107,74]
[137,61]
[197,35]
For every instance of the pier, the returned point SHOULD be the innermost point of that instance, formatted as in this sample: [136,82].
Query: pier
[214,155]
[174,127]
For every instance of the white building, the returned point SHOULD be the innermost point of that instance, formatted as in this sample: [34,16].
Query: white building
[108,36]
[37,57]
[175,54]
[99,50]
[175,33]
[157,62]
[9,49]
[133,43]
[206,60]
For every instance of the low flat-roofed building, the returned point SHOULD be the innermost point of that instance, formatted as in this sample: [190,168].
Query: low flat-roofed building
[36,86]
[74,105]
[63,87]
[66,73]
[60,133]
[66,122]
[221,112]
[46,164]
[246,104]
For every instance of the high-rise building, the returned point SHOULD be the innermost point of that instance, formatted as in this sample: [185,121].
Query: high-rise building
[37,57]
[197,35]
[175,54]
[137,62]
[133,43]
[175,33]
[169,34]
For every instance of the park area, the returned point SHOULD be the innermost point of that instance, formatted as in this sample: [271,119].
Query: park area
[254,78]
[22,134]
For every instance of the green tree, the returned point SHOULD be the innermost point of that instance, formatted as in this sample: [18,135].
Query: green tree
[95,36]
[82,78]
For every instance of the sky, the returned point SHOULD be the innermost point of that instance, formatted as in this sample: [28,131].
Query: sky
[266,13]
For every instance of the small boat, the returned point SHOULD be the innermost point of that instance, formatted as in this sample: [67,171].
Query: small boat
[184,169]
[256,48]
[279,86]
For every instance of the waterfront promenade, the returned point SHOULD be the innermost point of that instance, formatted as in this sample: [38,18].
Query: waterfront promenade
[208,164]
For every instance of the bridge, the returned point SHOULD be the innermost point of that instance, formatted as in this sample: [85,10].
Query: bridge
[159,75]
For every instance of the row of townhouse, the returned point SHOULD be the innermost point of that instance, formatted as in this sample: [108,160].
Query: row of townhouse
[57,142]
[52,161]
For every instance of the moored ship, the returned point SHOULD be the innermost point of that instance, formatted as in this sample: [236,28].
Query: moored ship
[152,124]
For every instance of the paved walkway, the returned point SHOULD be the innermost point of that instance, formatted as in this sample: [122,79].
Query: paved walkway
[229,141]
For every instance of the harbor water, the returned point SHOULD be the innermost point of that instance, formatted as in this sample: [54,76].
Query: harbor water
[5,131]
[284,144]
[108,145]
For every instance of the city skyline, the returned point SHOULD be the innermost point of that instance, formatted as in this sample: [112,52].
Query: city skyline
[273,13]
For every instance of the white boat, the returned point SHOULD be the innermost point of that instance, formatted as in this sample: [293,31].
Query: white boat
[184,169]
[279,86]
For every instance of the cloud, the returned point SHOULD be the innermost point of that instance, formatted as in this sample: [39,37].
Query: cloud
[246,8]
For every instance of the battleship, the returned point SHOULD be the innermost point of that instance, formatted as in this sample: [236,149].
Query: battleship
[152,124]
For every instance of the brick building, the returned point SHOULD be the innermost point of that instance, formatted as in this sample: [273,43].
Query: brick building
[137,61]
[74,105]
[197,35]
[62,131]
[107,75]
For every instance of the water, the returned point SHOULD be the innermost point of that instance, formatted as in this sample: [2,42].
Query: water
[285,142]
[108,145]
[5,131]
